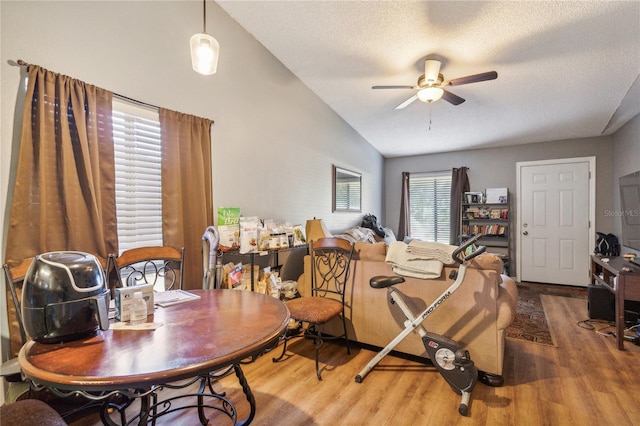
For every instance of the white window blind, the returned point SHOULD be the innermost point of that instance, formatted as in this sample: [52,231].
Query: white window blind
[430,206]
[138,156]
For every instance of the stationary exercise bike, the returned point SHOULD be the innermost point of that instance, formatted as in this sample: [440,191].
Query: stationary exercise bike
[453,362]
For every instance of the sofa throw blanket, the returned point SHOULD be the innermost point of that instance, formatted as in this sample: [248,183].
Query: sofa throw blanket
[428,250]
[410,265]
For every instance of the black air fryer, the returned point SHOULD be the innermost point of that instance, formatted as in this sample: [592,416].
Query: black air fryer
[64,297]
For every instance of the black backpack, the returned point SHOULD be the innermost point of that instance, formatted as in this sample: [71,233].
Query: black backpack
[371,222]
[607,245]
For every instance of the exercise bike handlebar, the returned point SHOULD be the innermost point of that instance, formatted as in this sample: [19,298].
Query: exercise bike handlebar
[458,253]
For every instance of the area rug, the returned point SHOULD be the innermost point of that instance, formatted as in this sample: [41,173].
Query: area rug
[531,323]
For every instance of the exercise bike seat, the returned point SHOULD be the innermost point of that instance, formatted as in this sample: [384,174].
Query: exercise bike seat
[383,281]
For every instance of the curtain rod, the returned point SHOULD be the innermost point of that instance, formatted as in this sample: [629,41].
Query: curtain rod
[442,171]
[22,63]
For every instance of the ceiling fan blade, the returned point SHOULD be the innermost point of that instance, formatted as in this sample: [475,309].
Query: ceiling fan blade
[407,102]
[491,75]
[451,98]
[393,87]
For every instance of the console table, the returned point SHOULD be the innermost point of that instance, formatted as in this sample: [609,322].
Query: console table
[262,258]
[622,278]
[196,339]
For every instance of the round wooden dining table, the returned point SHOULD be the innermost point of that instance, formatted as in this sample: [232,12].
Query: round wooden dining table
[215,332]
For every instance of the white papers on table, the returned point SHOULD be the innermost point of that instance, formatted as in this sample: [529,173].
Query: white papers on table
[173,297]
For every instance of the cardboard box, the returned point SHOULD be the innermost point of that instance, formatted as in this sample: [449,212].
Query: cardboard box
[124,297]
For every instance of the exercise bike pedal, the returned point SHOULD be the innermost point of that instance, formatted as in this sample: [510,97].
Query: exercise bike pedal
[454,365]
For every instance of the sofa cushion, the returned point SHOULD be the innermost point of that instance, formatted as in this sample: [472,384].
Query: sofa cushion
[368,251]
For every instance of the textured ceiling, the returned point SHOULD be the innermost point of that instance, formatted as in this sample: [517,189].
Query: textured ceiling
[565,69]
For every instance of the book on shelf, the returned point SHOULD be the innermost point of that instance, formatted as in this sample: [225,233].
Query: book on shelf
[483,213]
[485,230]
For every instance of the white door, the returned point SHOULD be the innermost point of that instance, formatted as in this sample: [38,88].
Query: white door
[553,221]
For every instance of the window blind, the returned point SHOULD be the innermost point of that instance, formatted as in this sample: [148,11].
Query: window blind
[137,149]
[430,206]
[348,193]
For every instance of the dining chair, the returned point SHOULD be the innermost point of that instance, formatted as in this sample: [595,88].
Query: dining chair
[10,370]
[30,412]
[330,260]
[161,266]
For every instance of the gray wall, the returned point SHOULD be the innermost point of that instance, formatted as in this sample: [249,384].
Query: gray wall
[496,168]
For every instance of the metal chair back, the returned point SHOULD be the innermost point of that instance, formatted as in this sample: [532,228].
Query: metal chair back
[161,266]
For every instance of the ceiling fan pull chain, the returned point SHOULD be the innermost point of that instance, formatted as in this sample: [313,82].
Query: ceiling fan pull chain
[429,116]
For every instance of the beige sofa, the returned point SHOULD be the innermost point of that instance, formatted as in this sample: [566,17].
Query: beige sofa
[475,316]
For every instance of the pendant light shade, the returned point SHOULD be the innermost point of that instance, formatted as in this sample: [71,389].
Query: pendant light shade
[205,50]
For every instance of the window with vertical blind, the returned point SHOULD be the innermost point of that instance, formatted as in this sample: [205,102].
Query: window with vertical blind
[138,157]
[430,206]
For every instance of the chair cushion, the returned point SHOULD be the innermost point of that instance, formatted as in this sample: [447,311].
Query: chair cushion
[316,310]
[30,412]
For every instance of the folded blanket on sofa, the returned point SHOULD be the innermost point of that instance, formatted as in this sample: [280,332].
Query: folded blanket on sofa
[427,250]
[410,265]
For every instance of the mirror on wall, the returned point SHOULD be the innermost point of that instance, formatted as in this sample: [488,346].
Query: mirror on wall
[347,190]
[630,200]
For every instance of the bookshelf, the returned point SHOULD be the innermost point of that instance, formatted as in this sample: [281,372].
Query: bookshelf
[490,220]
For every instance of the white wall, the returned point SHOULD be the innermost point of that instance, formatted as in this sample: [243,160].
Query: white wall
[273,140]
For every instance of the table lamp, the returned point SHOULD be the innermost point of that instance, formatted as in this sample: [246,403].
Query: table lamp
[315,229]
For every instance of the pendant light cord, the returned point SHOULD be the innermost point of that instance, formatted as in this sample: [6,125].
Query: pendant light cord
[204,16]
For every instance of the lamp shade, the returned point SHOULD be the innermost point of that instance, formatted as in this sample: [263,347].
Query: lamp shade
[205,51]
[316,229]
[430,94]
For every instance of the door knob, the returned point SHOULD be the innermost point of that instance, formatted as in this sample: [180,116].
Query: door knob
[525,233]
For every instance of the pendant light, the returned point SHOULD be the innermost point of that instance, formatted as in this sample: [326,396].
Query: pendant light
[205,49]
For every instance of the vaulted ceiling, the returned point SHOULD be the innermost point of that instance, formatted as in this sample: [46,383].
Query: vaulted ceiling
[565,69]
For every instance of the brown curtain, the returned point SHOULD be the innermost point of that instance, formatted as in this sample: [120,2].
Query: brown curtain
[64,195]
[404,227]
[187,205]
[459,185]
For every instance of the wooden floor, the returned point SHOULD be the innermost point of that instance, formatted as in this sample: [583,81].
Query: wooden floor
[584,381]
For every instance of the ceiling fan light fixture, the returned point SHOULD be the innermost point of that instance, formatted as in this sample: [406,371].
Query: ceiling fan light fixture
[430,94]
[205,50]
[431,71]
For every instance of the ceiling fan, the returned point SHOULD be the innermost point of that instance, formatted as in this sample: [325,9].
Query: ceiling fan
[431,85]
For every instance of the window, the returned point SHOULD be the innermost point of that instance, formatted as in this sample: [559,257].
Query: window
[430,205]
[138,156]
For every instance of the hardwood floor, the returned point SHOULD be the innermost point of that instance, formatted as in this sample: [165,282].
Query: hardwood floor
[584,381]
